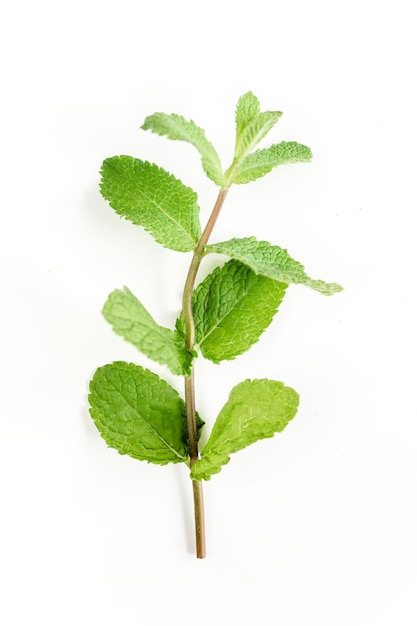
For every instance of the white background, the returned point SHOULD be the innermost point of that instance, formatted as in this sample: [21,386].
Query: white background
[315,527]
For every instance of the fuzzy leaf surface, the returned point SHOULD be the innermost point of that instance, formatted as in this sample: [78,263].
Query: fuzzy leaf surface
[138,413]
[131,320]
[149,196]
[271,261]
[232,307]
[178,128]
[261,162]
[256,409]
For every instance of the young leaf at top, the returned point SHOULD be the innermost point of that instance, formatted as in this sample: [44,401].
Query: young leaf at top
[251,126]
[149,196]
[261,162]
[138,413]
[256,130]
[246,110]
[177,127]
[271,261]
[131,320]
[256,409]
[232,307]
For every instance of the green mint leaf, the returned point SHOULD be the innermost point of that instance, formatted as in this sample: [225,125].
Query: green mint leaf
[261,162]
[149,196]
[256,409]
[138,413]
[232,307]
[177,127]
[131,320]
[271,261]
[247,108]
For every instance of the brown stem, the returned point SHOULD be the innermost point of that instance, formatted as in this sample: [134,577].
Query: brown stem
[200,531]
[192,272]
[189,380]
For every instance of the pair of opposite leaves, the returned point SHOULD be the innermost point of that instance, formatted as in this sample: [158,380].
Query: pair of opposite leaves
[135,411]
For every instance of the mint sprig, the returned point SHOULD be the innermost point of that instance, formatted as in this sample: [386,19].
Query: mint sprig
[136,411]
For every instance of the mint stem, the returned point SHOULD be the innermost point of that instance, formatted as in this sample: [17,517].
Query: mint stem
[189,380]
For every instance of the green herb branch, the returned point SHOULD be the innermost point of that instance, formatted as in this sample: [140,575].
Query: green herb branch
[137,412]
